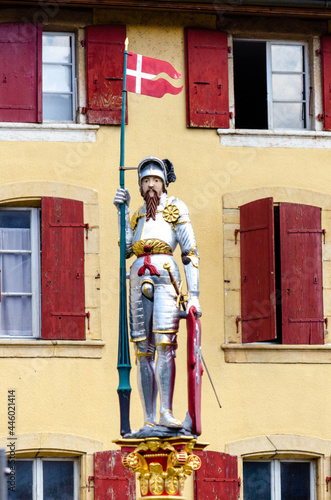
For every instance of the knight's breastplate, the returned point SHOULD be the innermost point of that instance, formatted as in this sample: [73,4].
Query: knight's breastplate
[158,230]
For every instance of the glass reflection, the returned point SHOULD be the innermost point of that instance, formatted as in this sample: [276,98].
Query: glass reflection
[57,48]
[57,107]
[287,58]
[287,87]
[58,480]
[56,78]
[257,481]
[288,115]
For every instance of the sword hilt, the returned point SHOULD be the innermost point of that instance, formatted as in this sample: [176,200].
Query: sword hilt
[180,295]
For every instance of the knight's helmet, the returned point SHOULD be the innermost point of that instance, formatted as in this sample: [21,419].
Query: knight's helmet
[158,168]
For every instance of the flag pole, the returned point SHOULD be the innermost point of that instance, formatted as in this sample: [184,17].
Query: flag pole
[123,363]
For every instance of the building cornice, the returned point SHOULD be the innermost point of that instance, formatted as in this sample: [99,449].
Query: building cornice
[303,8]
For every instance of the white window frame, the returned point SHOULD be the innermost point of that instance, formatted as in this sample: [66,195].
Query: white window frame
[37,475]
[269,43]
[275,476]
[35,272]
[270,101]
[73,78]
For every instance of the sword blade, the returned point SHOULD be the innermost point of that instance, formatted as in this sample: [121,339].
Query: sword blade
[210,380]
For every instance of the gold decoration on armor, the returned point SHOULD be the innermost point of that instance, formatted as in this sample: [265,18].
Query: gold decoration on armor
[193,256]
[134,221]
[157,247]
[171,213]
[157,477]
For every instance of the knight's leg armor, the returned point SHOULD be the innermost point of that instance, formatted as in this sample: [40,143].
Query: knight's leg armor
[145,354]
[165,375]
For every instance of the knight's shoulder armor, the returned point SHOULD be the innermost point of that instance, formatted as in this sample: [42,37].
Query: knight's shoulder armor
[180,209]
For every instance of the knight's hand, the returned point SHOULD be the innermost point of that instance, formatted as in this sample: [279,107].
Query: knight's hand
[122,196]
[194,301]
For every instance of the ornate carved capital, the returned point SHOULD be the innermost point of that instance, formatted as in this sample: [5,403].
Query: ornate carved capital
[162,465]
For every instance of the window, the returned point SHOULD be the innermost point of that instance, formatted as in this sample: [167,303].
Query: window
[45,478]
[42,271]
[279,480]
[58,77]
[267,82]
[20,272]
[281,273]
[274,76]
[39,83]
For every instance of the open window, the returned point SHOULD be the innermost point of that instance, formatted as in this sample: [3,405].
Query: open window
[271,84]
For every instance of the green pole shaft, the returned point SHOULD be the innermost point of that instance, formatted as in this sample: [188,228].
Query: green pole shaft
[123,364]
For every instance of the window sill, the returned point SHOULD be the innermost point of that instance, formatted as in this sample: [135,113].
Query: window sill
[275,138]
[48,132]
[271,353]
[51,348]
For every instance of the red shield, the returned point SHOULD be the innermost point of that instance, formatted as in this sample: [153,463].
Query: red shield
[194,369]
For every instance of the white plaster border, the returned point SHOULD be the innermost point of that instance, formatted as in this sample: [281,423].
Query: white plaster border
[275,138]
[48,132]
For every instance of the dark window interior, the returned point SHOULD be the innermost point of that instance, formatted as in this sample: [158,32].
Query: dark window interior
[250,84]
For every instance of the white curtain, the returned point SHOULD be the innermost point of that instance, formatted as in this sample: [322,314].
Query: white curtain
[15,311]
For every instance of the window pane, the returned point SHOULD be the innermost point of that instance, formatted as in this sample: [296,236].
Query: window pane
[287,87]
[295,481]
[15,239]
[58,480]
[14,219]
[56,78]
[16,317]
[288,115]
[57,107]
[257,482]
[16,273]
[57,48]
[23,481]
[287,57]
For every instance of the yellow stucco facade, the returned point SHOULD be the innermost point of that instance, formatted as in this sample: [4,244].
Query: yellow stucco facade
[275,399]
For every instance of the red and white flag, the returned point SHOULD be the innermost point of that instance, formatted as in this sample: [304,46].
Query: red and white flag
[142,70]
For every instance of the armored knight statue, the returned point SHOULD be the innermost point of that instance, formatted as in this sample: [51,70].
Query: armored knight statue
[155,229]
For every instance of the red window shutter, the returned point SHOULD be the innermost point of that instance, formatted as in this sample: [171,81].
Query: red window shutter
[326,80]
[62,282]
[21,69]
[111,479]
[104,70]
[258,309]
[301,270]
[207,88]
[217,478]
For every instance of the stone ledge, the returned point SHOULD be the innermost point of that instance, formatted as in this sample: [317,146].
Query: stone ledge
[275,138]
[48,132]
[51,348]
[281,354]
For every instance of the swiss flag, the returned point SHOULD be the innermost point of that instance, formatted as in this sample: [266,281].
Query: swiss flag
[141,72]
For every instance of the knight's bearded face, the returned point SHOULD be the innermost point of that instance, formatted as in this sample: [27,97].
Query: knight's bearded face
[153,184]
[151,189]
